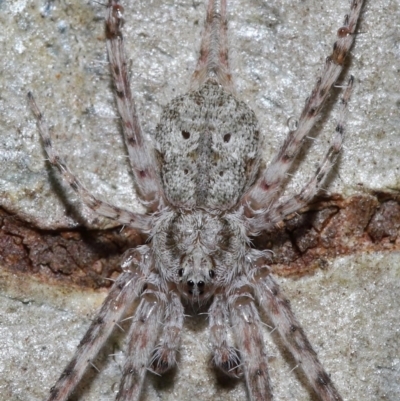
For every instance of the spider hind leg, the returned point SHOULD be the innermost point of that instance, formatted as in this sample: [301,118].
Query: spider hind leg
[142,340]
[213,62]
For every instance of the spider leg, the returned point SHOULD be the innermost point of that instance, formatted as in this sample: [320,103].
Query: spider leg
[249,339]
[164,355]
[278,212]
[141,158]
[142,340]
[267,188]
[121,295]
[225,358]
[135,220]
[278,309]
[213,60]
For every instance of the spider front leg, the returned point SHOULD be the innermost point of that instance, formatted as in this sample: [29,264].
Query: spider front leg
[164,355]
[246,325]
[142,340]
[267,188]
[121,295]
[278,309]
[134,220]
[225,357]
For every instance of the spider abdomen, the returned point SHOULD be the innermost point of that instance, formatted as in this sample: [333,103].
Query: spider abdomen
[207,143]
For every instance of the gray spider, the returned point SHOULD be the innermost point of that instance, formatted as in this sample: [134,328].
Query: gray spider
[205,195]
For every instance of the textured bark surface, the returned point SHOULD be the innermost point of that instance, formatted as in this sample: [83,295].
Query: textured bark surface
[81,257]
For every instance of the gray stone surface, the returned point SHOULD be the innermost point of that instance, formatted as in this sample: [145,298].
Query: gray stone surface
[57,50]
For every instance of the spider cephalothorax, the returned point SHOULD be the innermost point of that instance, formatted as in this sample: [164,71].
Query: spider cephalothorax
[205,195]
[193,248]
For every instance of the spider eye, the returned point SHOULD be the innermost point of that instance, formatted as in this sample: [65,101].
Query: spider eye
[190,283]
[227,138]
[200,284]
[180,272]
[211,273]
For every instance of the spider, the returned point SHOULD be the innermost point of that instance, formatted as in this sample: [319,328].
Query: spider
[206,196]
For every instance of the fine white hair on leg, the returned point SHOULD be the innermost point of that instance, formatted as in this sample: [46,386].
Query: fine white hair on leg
[267,188]
[142,340]
[225,356]
[141,158]
[278,309]
[278,212]
[121,295]
[134,220]
[164,355]
[246,325]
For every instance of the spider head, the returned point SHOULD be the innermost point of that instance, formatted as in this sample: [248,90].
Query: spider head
[196,276]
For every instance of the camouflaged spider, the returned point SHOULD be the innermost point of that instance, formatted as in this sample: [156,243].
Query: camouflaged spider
[205,195]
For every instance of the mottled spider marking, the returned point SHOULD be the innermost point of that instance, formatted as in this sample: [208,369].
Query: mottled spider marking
[208,144]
